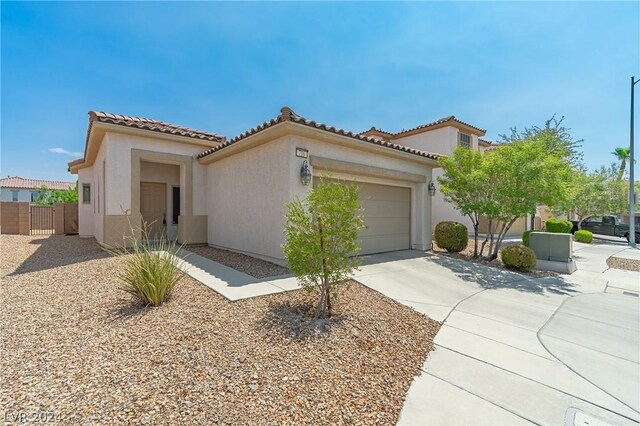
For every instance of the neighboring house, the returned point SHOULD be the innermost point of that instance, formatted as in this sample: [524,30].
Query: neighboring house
[202,188]
[19,189]
[442,137]
[624,218]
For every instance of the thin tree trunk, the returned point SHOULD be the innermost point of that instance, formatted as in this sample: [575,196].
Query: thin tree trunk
[490,230]
[323,306]
[474,221]
[503,232]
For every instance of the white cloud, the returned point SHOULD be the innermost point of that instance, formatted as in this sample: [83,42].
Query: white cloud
[65,152]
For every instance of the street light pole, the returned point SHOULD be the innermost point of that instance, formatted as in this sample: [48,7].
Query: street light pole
[632,195]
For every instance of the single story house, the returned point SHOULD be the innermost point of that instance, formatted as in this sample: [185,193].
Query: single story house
[202,188]
[15,188]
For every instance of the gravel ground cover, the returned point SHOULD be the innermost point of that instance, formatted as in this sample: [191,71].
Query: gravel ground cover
[73,345]
[257,268]
[621,263]
[467,254]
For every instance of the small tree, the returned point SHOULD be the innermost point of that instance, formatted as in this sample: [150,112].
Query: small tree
[528,175]
[322,238]
[464,184]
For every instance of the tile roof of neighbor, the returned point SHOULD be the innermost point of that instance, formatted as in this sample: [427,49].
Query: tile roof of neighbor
[153,125]
[437,122]
[287,114]
[21,183]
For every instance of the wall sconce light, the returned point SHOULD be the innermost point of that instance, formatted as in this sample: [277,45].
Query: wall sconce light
[305,173]
[432,189]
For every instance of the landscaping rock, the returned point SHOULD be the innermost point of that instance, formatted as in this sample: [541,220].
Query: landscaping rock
[72,342]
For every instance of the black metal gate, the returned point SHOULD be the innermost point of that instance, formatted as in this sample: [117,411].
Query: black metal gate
[41,220]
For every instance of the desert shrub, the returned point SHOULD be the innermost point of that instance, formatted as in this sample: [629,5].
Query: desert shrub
[451,236]
[152,267]
[519,257]
[558,226]
[584,236]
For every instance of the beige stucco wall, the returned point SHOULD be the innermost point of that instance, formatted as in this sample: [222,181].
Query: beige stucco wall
[85,211]
[111,187]
[119,167]
[91,216]
[440,141]
[246,192]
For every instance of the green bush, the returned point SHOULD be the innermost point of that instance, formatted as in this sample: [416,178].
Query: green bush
[525,238]
[584,236]
[451,236]
[518,257]
[152,267]
[558,226]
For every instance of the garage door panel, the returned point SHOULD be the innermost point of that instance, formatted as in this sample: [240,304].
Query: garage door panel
[379,244]
[385,226]
[390,209]
[384,193]
[387,217]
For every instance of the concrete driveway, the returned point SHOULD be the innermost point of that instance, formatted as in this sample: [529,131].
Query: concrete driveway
[518,350]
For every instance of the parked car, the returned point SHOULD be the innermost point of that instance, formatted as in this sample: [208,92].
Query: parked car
[604,225]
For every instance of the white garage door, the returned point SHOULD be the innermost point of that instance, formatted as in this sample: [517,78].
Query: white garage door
[387,218]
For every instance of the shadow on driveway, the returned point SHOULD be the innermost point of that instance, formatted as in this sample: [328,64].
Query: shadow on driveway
[489,277]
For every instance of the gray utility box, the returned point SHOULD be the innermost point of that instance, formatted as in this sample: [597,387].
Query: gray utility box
[554,252]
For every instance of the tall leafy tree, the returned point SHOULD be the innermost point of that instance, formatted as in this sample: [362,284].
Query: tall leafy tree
[505,184]
[322,238]
[528,175]
[555,137]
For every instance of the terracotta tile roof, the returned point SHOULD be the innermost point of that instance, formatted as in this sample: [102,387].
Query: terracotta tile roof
[153,125]
[484,142]
[374,129]
[286,114]
[21,183]
[436,123]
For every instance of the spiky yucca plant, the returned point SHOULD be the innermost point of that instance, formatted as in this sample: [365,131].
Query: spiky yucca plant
[152,266]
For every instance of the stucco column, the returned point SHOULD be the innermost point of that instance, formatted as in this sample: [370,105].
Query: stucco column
[422,220]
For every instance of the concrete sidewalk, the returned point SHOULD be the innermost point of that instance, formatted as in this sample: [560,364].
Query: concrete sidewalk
[512,349]
[230,283]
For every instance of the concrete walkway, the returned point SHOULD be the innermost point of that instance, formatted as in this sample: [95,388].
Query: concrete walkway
[230,283]
[519,350]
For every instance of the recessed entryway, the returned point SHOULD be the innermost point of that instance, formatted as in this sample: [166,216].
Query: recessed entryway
[153,207]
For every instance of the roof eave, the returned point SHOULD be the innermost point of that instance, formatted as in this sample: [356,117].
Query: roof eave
[290,127]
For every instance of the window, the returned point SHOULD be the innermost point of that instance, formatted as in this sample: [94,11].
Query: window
[464,140]
[86,193]
[175,200]
[14,195]
[594,219]
[34,196]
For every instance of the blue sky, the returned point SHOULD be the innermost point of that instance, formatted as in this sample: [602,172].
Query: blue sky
[226,67]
